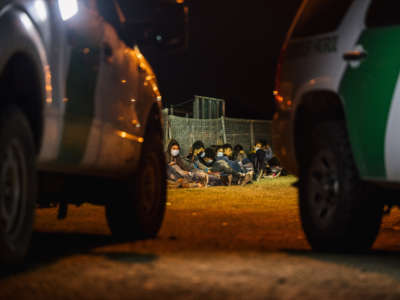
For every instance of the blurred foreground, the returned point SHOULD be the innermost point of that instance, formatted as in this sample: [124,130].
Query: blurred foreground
[216,243]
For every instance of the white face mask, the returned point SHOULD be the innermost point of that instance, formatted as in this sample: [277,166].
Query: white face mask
[175,152]
[220,154]
[202,154]
[256,149]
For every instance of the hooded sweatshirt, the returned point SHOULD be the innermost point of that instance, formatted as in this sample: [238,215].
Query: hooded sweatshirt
[184,165]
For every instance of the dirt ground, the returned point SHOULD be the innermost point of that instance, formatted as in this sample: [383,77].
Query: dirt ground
[215,243]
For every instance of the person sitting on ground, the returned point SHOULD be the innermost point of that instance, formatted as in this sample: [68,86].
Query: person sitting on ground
[195,149]
[237,150]
[228,153]
[273,164]
[270,157]
[216,177]
[237,166]
[257,157]
[179,170]
[198,155]
[240,156]
[224,165]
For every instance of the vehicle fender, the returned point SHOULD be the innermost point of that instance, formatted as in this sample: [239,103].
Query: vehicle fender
[320,86]
[19,35]
[151,106]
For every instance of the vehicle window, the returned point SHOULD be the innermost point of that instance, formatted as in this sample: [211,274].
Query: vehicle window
[321,17]
[383,13]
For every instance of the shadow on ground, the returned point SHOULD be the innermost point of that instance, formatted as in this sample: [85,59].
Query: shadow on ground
[376,261]
[48,247]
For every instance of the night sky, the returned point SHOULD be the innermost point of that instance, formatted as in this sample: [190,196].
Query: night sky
[234,46]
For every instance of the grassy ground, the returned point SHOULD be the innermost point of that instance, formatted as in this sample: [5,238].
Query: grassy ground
[269,207]
[236,217]
[256,195]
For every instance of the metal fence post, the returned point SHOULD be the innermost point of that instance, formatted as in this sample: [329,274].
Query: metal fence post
[223,129]
[192,132]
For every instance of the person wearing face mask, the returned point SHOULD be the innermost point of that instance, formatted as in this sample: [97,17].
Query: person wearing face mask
[257,157]
[222,165]
[217,169]
[239,155]
[197,156]
[203,161]
[178,169]
[236,165]
[198,166]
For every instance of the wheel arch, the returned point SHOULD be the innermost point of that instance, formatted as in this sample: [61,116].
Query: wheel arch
[25,77]
[314,108]
[153,123]
[22,88]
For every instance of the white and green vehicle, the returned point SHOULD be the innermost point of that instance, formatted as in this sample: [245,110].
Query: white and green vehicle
[337,124]
[80,115]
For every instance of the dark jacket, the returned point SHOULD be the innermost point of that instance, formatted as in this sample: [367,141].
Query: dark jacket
[220,165]
[268,154]
[233,164]
[199,164]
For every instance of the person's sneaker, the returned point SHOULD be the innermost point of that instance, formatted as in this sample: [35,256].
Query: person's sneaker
[277,174]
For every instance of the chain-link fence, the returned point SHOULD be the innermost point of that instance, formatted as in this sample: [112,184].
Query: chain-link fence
[215,131]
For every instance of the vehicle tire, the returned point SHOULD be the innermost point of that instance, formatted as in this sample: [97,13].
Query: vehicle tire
[17,185]
[339,212]
[139,212]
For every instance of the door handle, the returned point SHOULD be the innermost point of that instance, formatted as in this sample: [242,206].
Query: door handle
[354,55]
[108,51]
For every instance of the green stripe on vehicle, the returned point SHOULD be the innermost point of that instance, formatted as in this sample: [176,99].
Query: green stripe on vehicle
[367,91]
[79,114]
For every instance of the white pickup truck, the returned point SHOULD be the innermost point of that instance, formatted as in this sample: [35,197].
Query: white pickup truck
[80,119]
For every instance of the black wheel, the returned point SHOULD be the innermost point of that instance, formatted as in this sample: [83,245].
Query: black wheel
[338,211]
[17,185]
[139,211]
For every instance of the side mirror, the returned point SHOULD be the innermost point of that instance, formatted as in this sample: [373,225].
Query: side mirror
[166,30]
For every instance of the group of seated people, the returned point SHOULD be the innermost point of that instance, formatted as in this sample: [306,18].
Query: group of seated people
[219,165]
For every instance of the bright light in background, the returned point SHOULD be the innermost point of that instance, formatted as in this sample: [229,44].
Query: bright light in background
[68,8]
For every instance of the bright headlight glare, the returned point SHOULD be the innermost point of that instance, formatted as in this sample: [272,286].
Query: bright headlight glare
[68,8]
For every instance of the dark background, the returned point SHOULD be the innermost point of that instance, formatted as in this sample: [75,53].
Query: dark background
[233,51]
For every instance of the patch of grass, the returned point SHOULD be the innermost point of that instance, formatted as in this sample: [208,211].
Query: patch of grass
[267,193]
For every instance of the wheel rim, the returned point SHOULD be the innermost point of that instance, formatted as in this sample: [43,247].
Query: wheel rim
[149,187]
[324,188]
[12,186]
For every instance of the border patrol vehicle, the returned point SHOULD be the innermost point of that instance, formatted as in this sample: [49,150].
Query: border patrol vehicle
[338,117]
[80,117]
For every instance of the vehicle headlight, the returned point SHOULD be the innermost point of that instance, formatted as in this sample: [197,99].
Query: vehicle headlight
[68,8]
